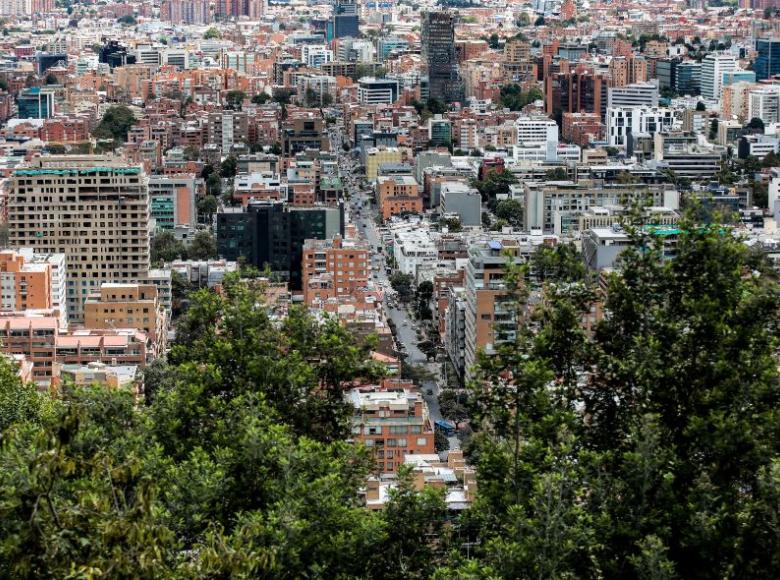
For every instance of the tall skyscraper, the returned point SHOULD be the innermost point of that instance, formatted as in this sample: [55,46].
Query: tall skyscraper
[345,19]
[712,68]
[768,59]
[438,51]
[94,209]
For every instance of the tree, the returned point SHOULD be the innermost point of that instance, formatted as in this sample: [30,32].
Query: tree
[495,183]
[212,33]
[452,224]
[261,98]
[755,124]
[424,295]
[191,153]
[511,211]
[514,99]
[311,98]
[700,106]
[713,135]
[203,246]
[166,248]
[207,207]
[771,159]
[51,79]
[603,454]
[402,283]
[115,124]
[627,178]
[128,20]
[725,175]
[228,167]
[436,106]
[214,185]
[556,174]
[56,149]
[235,99]
[282,95]
[559,263]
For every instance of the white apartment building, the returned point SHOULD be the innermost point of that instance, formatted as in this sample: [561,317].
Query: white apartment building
[637,121]
[315,55]
[764,104]
[415,252]
[712,68]
[634,95]
[373,91]
[537,138]
[93,209]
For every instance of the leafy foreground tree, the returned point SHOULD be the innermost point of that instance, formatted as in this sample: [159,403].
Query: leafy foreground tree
[647,449]
[237,467]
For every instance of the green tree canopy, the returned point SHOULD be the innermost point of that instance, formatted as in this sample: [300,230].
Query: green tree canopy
[514,99]
[166,248]
[510,210]
[403,284]
[115,124]
[495,183]
[203,246]
[645,448]
[212,33]
[235,99]
[755,123]
[556,174]
[128,20]
[236,467]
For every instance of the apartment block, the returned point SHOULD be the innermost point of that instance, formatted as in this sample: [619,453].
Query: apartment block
[120,305]
[392,420]
[228,128]
[34,337]
[398,194]
[556,206]
[333,268]
[304,130]
[490,315]
[24,286]
[378,156]
[92,209]
[172,200]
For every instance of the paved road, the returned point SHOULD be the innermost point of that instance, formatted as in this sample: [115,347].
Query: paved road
[406,334]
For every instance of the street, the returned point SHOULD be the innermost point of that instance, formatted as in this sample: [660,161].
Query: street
[405,326]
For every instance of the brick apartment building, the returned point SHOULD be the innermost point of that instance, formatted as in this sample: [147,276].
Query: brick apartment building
[392,420]
[333,268]
[398,194]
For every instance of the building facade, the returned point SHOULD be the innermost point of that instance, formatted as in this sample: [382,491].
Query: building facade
[438,52]
[93,209]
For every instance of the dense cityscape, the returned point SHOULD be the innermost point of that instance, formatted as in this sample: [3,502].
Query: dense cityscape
[392,289]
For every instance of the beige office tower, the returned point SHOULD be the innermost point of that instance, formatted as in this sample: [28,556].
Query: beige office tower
[94,209]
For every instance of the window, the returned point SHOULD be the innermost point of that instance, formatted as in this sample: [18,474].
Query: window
[421,441]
